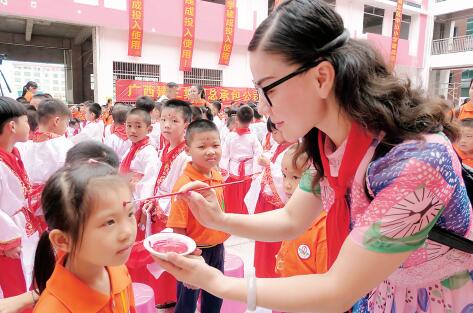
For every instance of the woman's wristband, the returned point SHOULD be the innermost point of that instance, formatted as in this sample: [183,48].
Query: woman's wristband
[251,290]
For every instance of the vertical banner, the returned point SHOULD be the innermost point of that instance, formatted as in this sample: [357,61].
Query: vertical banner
[188,32]
[396,33]
[228,33]
[135,28]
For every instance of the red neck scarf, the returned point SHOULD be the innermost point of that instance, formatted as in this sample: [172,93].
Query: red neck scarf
[243,131]
[279,149]
[167,159]
[267,142]
[14,162]
[169,156]
[338,218]
[135,147]
[119,131]
[38,136]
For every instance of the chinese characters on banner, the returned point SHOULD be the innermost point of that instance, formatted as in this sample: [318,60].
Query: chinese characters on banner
[396,33]
[188,31]
[129,90]
[135,30]
[228,33]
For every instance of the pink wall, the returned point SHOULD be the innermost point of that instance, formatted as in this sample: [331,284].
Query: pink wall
[425,4]
[164,16]
[383,44]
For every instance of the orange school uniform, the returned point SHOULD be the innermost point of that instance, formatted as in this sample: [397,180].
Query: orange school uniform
[306,254]
[66,293]
[466,111]
[465,158]
[181,217]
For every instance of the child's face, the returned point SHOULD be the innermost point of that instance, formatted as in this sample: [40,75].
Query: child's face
[136,128]
[278,136]
[110,230]
[466,140]
[89,116]
[155,115]
[21,128]
[193,93]
[173,125]
[214,110]
[291,175]
[205,150]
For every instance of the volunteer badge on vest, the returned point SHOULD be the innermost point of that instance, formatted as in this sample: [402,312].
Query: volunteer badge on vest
[304,252]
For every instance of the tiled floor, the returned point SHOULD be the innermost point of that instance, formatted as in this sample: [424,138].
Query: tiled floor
[241,247]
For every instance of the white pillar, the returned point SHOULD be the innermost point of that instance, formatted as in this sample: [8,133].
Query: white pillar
[96,57]
[388,23]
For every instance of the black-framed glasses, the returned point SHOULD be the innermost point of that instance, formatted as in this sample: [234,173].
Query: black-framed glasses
[263,91]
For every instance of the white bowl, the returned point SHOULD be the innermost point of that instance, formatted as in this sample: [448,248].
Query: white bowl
[151,240]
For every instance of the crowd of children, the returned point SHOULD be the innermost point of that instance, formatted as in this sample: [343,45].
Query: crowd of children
[63,173]
[65,178]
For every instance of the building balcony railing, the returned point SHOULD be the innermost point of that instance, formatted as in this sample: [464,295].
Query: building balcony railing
[452,45]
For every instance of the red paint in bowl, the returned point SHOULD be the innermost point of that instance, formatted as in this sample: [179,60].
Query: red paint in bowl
[169,245]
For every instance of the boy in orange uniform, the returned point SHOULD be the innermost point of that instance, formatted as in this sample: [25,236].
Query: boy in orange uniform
[464,146]
[203,145]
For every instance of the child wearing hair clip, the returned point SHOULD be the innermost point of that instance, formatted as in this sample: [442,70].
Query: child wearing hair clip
[92,232]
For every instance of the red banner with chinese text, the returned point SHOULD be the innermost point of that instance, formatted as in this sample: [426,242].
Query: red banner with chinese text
[396,33]
[135,30]
[228,33]
[129,90]
[188,32]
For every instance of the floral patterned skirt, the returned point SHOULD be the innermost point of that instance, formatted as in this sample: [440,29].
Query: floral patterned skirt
[451,295]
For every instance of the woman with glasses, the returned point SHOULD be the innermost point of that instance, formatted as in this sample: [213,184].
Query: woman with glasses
[385,165]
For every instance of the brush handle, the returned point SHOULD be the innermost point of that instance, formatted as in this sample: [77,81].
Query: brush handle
[182,192]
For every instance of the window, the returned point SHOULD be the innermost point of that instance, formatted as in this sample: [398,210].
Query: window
[203,76]
[134,71]
[373,20]
[216,1]
[469,26]
[405,26]
[467,76]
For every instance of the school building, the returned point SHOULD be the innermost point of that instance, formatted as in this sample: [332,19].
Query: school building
[91,40]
